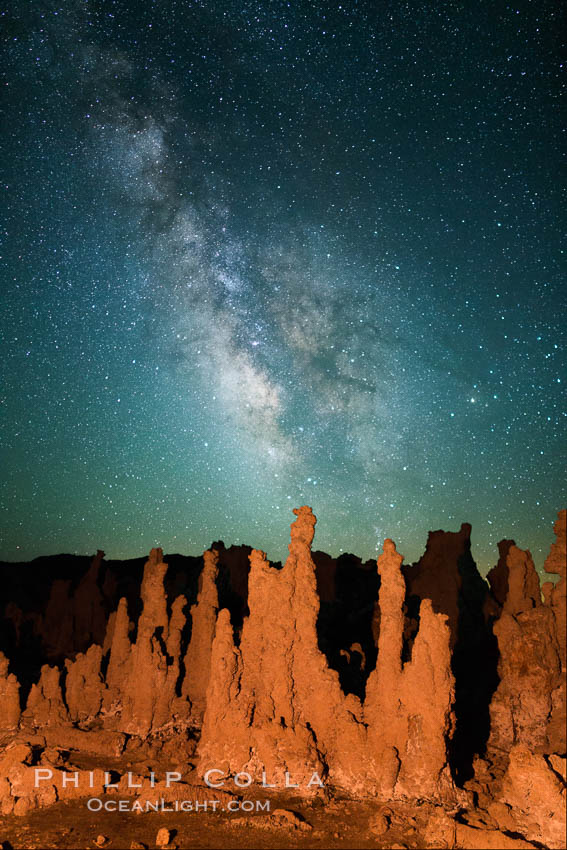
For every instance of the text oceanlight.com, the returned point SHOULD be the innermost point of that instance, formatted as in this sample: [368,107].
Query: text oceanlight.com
[96,804]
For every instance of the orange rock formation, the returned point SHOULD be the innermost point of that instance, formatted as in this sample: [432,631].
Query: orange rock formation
[464,705]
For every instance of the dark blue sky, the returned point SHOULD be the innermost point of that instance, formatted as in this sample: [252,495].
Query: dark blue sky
[258,255]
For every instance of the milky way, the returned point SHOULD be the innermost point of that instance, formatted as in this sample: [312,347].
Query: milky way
[259,255]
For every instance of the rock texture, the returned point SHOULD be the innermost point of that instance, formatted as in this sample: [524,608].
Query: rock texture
[203,620]
[9,697]
[406,683]
[447,575]
[255,718]
[118,641]
[127,687]
[528,706]
[274,704]
[537,796]
[75,616]
[148,693]
[437,575]
[89,616]
[515,579]
[84,687]
[45,704]
[408,706]
[556,600]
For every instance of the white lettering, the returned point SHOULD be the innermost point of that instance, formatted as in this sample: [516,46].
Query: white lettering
[315,780]
[132,784]
[42,773]
[289,784]
[265,783]
[70,778]
[107,781]
[213,784]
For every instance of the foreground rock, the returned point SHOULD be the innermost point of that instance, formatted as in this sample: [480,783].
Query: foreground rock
[529,704]
[279,819]
[537,796]
[203,621]
[9,697]
[260,675]
[274,704]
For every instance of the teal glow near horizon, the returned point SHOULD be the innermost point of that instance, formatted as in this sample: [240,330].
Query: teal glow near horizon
[261,255]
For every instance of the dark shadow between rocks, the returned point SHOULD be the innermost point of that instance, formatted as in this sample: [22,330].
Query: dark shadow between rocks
[348,591]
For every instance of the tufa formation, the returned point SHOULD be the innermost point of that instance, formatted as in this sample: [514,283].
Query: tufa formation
[394,683]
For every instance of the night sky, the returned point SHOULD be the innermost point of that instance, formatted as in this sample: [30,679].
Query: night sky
[263,254]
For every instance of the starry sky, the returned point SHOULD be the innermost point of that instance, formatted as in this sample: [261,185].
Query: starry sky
[263,254]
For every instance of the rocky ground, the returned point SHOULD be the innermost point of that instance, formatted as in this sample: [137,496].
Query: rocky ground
[291,822]
[430,701]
